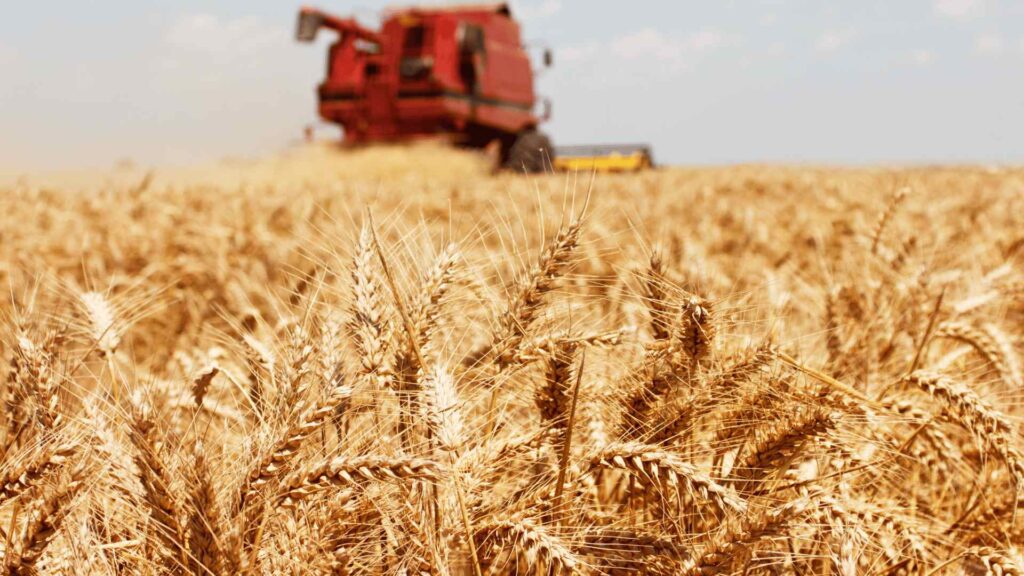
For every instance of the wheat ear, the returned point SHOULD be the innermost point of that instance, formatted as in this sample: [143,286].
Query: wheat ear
[33,375]
[696,331]
[201,383]
[29,474]
[442,406]
[102,322]
[554,395]
[990,343]
[990,427]
[278,459]
[424,318]
[883,220]
[427,308]
[527,302]
[164,508]
[533,542]
[853,513]
[656,297]
[262,365]
[46,517]
[371,324]
[985,561]
[781,443]
[354,471]
[737,539]
[653,465]
[204,519]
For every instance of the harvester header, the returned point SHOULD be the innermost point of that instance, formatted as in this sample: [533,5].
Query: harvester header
[604,157]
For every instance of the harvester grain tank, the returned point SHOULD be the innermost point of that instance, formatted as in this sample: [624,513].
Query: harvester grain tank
[457,71]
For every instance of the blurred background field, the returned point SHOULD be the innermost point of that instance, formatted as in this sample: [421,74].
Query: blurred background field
[773,235]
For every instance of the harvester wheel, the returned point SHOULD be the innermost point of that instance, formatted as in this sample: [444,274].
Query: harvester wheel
[531,152]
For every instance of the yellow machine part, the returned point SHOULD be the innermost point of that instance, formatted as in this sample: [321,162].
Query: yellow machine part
[604,163]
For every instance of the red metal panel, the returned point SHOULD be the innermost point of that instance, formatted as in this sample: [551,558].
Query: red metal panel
[366,92]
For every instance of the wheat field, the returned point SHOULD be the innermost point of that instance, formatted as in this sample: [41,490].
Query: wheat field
[393,362]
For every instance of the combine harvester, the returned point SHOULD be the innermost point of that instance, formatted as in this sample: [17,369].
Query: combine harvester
[459,72]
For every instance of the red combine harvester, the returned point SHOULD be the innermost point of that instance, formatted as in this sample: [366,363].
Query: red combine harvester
[458,71]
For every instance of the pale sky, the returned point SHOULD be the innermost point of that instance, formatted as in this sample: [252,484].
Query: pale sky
[86,83]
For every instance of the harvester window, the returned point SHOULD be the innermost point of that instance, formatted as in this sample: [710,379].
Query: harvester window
[471,38]
[471,44]
[367,47]
[414,39]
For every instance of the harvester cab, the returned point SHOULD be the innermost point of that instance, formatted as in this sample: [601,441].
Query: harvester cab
[461,72]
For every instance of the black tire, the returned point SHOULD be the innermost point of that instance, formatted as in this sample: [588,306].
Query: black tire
[530,152]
